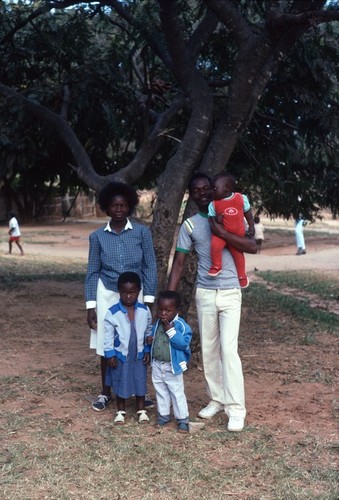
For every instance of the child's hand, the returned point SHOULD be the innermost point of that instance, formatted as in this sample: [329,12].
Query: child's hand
[145,359]
[166,324]
[149,340]
[112,362]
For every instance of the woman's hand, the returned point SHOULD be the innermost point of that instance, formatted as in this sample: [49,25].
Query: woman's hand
[92,318]
[145,359]
[149,340]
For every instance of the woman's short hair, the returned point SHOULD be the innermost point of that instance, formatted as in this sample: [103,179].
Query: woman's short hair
[118,189]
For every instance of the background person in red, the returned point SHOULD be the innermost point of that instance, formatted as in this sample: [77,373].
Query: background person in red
[14,233]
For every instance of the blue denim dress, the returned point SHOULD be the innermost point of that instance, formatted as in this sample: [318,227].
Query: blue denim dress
[129,378]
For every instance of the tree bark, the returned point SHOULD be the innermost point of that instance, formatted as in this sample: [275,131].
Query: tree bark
[173,181]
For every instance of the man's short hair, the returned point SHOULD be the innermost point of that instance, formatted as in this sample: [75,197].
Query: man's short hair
[195,176]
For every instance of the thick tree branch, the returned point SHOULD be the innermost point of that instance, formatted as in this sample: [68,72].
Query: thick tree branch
[145,153]
[253,68]
[183,66]
[84,167]
[188,77]
[202,33]
[308,18]
[147,34]
[230,16]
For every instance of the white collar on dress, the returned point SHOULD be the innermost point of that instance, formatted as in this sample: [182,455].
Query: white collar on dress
[127,226]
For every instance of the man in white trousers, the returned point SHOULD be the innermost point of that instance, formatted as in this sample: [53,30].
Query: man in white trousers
[218,301]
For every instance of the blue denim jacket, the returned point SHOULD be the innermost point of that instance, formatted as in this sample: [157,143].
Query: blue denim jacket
[180,336]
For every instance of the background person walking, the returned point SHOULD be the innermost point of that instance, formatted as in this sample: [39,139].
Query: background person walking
[259,230]
[299,235]
[14,233]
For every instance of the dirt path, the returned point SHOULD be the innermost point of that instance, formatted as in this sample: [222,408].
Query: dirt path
[320,256]
[70,239]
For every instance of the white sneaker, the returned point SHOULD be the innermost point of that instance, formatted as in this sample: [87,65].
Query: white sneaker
[210,410]
[235,424]
[120,417]
[142,416]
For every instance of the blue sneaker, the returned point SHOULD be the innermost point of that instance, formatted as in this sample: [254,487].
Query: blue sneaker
[101,403]
[183,427]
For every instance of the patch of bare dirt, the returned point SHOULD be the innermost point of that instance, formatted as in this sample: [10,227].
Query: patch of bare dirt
[44,342]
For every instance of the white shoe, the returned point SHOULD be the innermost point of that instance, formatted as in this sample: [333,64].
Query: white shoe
[235,424]
[120,418]
[142,416]
[210,410]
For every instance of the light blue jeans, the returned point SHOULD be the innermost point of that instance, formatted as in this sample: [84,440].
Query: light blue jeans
[219,319]
[169,388]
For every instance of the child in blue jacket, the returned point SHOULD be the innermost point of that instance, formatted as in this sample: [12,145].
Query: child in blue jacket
[170,352]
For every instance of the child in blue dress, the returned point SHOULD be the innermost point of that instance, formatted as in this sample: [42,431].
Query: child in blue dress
[126,325]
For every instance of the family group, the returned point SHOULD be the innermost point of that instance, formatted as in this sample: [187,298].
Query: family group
[120,289]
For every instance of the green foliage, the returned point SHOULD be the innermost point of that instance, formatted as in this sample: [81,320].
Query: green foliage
[291,144]
[97,68]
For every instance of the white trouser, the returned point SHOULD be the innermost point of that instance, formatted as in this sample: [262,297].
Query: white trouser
[219,319]
[299,234]
[169,388]
[105,299]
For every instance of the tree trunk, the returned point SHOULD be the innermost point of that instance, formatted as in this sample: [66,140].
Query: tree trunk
[173,181]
